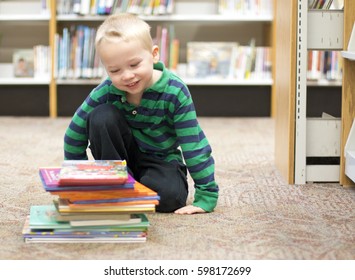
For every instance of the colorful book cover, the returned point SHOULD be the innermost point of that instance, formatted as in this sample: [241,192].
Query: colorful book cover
[43,217]
[139,190]
[64,206]
[90,216]
[93,172]
[210,59]
[23,62]
[50,181]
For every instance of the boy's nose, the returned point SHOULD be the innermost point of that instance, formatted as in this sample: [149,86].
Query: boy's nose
[127,75]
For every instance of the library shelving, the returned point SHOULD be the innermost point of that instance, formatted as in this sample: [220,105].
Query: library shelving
[310,148]
[195,20]
[22,28]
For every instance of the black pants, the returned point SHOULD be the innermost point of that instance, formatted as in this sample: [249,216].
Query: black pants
[111,139]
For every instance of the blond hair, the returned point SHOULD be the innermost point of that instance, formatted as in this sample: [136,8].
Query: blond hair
[124,27]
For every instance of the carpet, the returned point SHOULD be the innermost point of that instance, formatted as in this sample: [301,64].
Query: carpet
[258,216]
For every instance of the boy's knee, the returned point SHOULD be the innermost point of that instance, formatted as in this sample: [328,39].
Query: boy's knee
[103,115]
[171,197]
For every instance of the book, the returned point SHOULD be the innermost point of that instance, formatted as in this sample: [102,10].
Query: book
[50,181]
[139,190]
[134,219]
[88,216]
[23,62]
[93,172]
[44,217]
[210,59]
[64,206]
[96,235]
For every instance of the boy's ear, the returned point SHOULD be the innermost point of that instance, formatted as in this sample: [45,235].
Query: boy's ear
[155,53]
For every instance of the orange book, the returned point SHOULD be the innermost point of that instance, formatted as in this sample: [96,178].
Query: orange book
[139,190]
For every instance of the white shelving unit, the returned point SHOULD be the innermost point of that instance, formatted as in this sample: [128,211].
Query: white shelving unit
[315,137]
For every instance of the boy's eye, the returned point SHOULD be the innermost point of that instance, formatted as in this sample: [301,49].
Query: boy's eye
[135,64]
[115,71]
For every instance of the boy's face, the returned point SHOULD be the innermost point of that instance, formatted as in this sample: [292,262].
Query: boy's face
[128,64]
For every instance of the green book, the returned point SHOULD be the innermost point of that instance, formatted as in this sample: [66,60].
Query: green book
[44,217]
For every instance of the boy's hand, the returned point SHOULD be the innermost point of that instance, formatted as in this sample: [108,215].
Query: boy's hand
[189,209]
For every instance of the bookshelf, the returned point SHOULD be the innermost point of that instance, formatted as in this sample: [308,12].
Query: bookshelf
[17,29]
[195,20]
[310,149]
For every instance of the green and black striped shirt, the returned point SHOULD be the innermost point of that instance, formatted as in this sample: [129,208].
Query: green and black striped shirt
[164,124]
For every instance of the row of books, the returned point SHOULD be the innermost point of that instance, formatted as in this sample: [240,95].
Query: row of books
[106,7]
[156,7]
[245,7]
[33,62]
[75,55]
[95,201]
[227,60]
[324,65]
[325,4]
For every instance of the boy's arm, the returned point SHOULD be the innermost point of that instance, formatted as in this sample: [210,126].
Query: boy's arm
[197,155]
[76,138]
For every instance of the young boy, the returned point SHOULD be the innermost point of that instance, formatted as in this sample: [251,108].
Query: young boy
[144,114]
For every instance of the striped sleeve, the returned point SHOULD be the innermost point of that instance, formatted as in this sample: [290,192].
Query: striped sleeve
[196,151]
[76,138]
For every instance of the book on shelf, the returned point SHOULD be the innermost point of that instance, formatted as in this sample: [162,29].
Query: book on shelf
[41,61]
[106,7]
[75,55]
[252,62]
[245,7]
[326,4]
[93,172]
[210,59]
[324,65]
[23,62]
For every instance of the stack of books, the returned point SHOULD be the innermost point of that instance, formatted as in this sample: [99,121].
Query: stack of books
[95,201]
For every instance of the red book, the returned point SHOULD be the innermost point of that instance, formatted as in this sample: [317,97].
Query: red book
[93,172]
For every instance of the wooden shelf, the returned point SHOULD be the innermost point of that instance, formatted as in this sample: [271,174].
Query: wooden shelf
[24,81]
[177,18]
[25,17]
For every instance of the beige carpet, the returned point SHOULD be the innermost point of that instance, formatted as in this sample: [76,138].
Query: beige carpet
[258,215]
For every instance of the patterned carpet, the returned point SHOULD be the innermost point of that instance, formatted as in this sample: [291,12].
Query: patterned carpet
[258,216]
